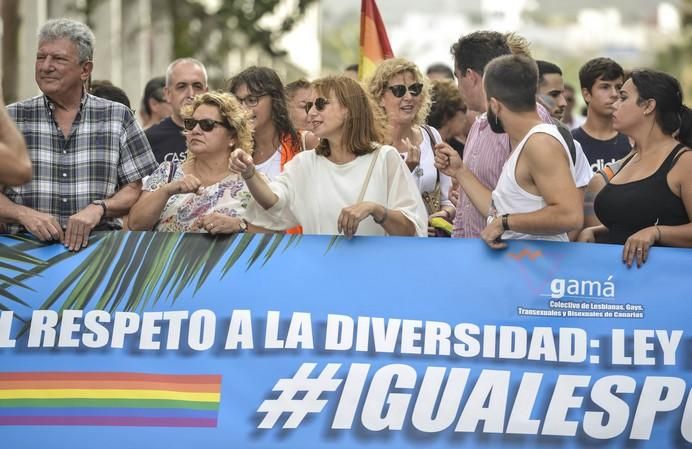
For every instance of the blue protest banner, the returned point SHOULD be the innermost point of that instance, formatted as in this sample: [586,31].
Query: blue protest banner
[158,340]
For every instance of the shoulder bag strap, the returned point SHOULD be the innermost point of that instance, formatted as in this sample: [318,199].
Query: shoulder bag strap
[433,142]
[367,176]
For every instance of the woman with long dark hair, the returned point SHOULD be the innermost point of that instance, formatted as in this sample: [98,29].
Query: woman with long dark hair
[649,201]
[275,139]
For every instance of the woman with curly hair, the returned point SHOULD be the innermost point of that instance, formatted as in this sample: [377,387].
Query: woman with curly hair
[404,95]
[201,194]
[449,115]
[349,184]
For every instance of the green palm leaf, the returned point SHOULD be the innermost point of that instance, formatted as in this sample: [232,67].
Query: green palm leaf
[272,249]
[159,250]
[333,242]
[135,268]
[237,252]
[12,297]
[91,277]
[293,240]
[266,238]
[163,247]
[74,275]
[219,246]
[118,274]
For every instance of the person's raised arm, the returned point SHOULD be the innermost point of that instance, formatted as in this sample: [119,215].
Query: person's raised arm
[16,166]
[241,162]
[447,160]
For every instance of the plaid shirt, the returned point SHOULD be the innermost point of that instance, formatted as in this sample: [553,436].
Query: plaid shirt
[106,149]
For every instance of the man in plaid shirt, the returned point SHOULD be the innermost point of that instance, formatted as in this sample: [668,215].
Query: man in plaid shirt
[88,154]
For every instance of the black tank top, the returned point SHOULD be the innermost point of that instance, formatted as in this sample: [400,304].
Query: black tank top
[627,208]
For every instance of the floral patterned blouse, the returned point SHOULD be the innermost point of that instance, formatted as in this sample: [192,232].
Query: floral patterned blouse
[229,196]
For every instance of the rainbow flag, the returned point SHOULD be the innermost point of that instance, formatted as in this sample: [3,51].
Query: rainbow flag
[109,399]
[374,44]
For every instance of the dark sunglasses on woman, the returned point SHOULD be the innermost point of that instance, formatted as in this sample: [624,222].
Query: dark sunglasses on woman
[399,90]
[320,103]
[206,124]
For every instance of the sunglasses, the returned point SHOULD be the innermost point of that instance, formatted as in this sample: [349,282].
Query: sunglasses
[206,124]
[399,90]
[320,103]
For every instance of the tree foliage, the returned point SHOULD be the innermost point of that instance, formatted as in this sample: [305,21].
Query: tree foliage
[209,33]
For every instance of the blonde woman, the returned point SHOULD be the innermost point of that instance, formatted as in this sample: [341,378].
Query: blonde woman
[404,95]
[201,194]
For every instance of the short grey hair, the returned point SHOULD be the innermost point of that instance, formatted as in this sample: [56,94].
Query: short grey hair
[77,32]
[171,66]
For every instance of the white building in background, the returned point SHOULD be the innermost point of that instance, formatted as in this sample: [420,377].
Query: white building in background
[134,43]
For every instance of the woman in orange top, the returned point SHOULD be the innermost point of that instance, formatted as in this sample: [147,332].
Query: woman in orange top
[275,139]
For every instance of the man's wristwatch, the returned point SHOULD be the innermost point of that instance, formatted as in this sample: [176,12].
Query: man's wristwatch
[505,222]
[103,206]
[242,225]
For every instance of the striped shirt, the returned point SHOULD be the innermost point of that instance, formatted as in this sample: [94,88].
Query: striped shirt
[484,154]
[106,149]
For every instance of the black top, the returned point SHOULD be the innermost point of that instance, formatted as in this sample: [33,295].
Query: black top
[627,208]
[167,141]
[457,145]
[601,152]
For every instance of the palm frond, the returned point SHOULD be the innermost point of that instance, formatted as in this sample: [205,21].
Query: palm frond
[293,240]
[272,249]
[128,270]
[163,247]
[11,254]
[10,267]
[219,246]
[74,275]
[14,282]
[118,274]
[264,241]
[237,252]
[12,297]
[333,242]
[159,250]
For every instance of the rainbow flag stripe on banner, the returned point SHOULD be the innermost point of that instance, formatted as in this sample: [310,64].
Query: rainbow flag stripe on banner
[109,399]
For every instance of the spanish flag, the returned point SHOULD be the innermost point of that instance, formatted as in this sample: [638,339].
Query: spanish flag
[374,44]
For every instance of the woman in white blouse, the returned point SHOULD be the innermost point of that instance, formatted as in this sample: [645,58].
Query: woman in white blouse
[201,194]
[349,184]
[404,95]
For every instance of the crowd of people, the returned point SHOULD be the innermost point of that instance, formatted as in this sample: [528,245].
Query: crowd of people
[494,155]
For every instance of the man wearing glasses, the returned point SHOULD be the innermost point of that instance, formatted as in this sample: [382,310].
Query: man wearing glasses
[185,78]
[88,154]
